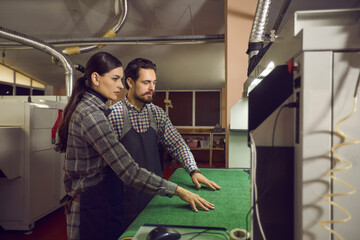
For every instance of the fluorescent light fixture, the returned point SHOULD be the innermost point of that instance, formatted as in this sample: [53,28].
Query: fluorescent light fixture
[37,84]
[22,79]
[253,84]
[6,74]
[262,75]
[267,70]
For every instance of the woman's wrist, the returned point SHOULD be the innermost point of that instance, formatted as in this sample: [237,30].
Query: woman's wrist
[179,191]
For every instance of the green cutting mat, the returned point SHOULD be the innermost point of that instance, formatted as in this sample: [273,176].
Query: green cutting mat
[232,202]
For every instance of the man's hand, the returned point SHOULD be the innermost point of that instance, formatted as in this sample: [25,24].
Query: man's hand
[198,178]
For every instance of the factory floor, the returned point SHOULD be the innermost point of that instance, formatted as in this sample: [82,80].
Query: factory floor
[53,226]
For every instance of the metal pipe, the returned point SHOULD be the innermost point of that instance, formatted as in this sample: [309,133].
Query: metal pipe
[111,33]
[44,47]
[181,39]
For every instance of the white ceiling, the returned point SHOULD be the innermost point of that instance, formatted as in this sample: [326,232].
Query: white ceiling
[180,66]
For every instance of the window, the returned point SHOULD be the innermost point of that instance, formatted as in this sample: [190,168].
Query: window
[37,92]
[158,99]
[22,91]
[181,113]
[191,108]
[207,108]
[24,85]
[6,89]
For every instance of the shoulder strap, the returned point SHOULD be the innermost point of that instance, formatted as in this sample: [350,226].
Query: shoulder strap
[127,125]
[152,119]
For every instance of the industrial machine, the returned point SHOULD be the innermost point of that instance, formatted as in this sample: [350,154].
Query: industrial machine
[30,170]
[304,130]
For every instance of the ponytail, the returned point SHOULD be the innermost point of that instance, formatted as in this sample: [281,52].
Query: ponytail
[78,91]
[101,63]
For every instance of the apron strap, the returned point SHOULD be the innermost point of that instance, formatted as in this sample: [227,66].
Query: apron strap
[152,119]
[127,124]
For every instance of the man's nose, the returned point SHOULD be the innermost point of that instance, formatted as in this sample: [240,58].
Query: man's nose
[152,86]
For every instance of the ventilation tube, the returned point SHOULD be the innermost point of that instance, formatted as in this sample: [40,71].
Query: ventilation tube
[258,28]
[138,40]
[256,41]
[123,7]
[44,47]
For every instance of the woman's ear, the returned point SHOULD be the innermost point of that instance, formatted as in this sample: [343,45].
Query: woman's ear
[95,79]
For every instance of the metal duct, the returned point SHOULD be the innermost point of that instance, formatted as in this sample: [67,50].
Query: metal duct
[258,28]
[139,40]
[44,47]
[111,33]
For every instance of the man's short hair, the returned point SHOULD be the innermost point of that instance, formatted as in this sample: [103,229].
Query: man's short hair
[133,68]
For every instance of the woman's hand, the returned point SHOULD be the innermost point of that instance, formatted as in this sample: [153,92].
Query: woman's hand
[193,199]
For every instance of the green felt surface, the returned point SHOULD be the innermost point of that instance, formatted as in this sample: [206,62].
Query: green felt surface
[232,202]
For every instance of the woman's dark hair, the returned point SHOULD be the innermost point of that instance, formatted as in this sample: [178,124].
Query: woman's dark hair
[101,63]
[133,68]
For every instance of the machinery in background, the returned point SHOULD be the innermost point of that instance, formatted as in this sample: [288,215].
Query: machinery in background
[31,179]
[294,139]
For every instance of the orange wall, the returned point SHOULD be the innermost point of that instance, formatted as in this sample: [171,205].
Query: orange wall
[239,17]
[59,91]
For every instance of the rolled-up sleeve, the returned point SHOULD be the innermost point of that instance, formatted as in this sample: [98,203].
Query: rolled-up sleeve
[175,144]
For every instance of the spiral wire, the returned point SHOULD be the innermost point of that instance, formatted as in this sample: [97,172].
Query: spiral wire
[328,197]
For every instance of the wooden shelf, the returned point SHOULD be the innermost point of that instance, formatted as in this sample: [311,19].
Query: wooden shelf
[214,139]
[199,149]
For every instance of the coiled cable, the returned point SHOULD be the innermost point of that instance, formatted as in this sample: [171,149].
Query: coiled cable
[328,197]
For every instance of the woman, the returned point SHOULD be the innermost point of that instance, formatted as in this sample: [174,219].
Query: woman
[96,164]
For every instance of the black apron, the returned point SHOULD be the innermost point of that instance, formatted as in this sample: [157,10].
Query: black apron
[101,209]
[143,147]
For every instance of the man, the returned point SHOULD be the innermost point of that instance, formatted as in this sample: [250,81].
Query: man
[141,125]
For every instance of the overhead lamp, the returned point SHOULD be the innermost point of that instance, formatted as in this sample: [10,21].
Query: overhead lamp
[262,75]
[267,70]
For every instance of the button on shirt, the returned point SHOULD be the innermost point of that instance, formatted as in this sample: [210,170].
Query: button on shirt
[168,135]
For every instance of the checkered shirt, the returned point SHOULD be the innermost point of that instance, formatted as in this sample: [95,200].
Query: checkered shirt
[91,147]
[168,135]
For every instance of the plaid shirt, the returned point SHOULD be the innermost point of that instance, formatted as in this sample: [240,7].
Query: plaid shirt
[168,135]
[91,147]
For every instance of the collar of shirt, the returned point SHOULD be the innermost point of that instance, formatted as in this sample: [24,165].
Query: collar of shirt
[98,99]
[132,107]
[99,95]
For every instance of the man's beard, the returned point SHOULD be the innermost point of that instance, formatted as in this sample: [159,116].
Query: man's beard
[144,99]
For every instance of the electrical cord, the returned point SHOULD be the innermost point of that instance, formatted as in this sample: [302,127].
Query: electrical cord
[254,160]
[253,156]
[327,197]
[206,231]
[289,105]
